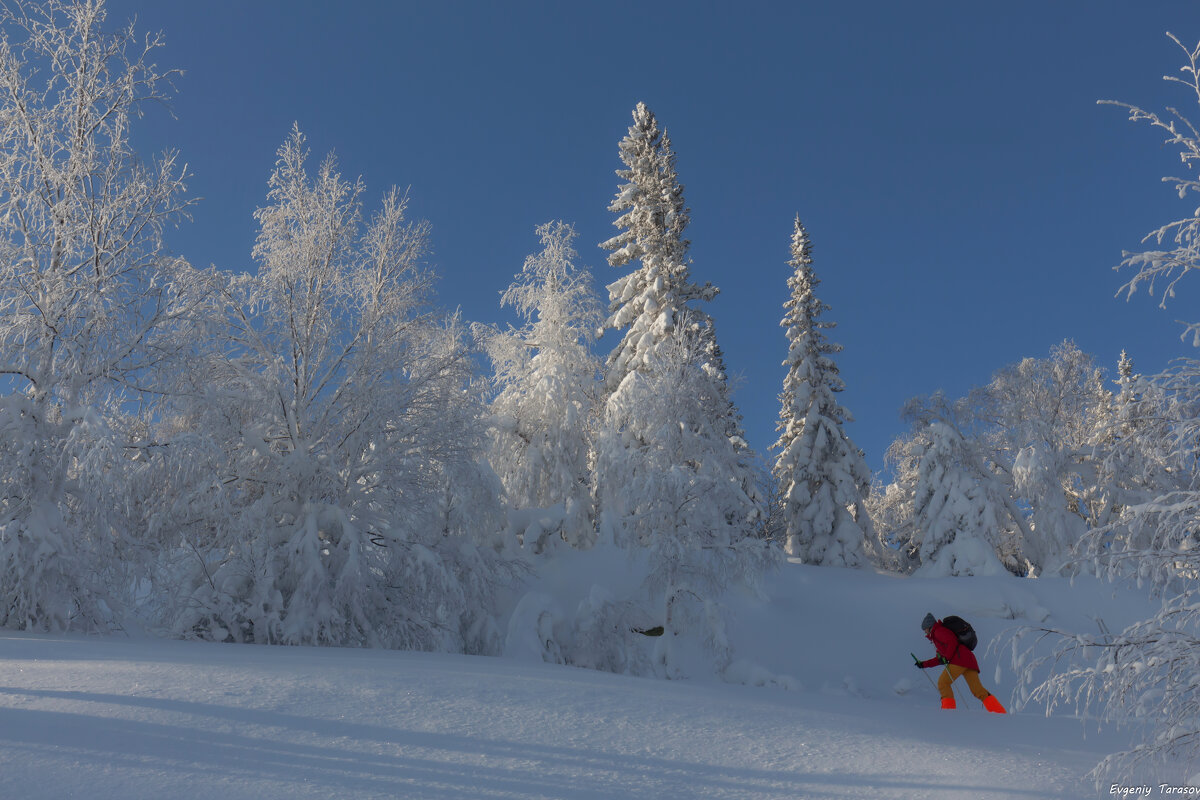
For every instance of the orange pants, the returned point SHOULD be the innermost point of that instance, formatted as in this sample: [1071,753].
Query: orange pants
[952,673]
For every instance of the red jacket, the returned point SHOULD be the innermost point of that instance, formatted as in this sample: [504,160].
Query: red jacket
[949,648]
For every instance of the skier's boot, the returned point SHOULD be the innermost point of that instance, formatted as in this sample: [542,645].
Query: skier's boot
[992,704]
[948,702]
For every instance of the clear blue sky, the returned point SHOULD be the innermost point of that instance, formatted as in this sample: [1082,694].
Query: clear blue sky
[966,197]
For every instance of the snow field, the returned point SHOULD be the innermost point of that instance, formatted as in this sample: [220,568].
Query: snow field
[105,718]
[141,718]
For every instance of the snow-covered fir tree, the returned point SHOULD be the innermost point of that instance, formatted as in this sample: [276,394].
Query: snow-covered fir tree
[651,302]
[657,301]
[544,415]
[350,505]
[901,508]
[648,302]
[91,303]
[668,416]
[954,518]
[822,474]
[1114,425]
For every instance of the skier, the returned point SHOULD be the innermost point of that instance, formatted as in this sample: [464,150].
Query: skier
[959,660]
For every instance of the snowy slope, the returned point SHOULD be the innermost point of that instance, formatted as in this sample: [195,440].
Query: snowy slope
[851,631]
[140,718]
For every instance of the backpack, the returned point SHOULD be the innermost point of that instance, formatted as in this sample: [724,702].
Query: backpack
[963,630]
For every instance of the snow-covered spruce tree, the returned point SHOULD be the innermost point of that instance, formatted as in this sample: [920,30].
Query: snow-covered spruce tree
[674,474]
[1145,674]
[647,302]
[897,506]
[544,415]
[90,299]
[823,476]
[650,302]
[349,489]
[954,518]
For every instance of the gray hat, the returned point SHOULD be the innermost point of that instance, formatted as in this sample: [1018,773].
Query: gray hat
[927,623]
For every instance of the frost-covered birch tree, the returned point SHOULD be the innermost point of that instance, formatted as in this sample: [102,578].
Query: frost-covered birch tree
[890,505]
[1030,440]
[1139,458]
[1042,414]
[544,415]
[1145,674]
[351,508]
[822,474]
[91,302]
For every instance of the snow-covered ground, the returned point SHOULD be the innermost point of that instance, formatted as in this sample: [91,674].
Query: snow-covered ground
[142,718]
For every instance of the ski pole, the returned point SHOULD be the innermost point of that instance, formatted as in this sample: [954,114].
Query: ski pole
[934,685]
[917,661]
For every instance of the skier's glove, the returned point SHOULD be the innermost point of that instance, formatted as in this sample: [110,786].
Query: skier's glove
[917,661]
[919,665]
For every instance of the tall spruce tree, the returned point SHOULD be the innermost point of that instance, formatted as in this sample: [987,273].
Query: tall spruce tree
[822,475]
[673,469]
[649,302]
[657,302]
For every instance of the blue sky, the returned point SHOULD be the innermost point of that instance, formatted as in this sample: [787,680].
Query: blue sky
[966,197]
